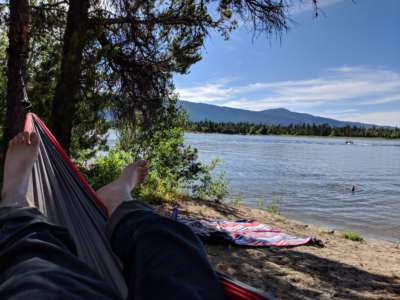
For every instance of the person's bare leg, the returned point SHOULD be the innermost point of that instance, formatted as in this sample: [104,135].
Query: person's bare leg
[118,191]
[21,154]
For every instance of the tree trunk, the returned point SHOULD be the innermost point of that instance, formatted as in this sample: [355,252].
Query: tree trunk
[16,67]
[67,93]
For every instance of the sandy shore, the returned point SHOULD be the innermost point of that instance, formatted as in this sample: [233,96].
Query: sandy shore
[343,269]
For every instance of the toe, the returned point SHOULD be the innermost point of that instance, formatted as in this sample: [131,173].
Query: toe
[25,137]
[34,138]
[20,138]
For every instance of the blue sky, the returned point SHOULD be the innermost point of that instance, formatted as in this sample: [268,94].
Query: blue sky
[345,64]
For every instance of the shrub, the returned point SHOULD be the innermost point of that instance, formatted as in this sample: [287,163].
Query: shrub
[106,168]
[236,200]
[176,169]
[261,203]
[272,207]
[352,236]
[210,187]
[162,183]
[174,166]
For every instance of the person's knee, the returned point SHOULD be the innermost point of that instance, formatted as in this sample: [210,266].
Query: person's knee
[27,226]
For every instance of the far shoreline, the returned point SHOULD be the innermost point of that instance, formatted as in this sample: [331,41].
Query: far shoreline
[292,135]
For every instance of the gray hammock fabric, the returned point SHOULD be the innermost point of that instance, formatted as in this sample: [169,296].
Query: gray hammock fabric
[60,194]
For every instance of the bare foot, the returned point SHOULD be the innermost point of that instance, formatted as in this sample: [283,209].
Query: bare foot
[118,191]
[21,154]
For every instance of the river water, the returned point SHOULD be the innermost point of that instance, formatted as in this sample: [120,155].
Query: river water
[312,178]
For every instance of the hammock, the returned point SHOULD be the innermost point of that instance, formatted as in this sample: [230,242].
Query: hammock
[61,193]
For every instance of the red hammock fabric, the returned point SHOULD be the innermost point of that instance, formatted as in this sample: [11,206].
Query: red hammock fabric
[234,290]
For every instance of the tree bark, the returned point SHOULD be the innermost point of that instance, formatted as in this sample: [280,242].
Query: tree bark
[16,68]
[67,93]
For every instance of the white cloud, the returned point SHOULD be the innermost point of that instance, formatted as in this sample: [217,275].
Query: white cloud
[390,118]
[383,100]
[344,89]
[307,5]
[345,85]
[210,92]
[339,112]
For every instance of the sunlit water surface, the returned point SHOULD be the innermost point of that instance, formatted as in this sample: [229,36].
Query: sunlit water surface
[311,178]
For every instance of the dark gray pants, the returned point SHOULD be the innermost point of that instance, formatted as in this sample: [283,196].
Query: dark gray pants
[162,259]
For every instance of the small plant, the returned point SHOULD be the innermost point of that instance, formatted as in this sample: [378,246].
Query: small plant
[273,206]
[261,203]
[236,200]
[106,168]
[352,236]
[209,186]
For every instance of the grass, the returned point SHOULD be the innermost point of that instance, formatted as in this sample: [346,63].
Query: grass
[236,200]
[261,204]
[273,206]
[352,236]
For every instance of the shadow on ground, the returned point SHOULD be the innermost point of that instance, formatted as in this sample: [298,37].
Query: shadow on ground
[205,208]
[292,274]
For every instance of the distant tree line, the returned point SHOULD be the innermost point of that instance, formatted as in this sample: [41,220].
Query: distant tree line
[298,129]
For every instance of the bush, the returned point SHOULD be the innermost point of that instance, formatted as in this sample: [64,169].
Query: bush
[272,207]
[174,166]
[106,168]
[261,203]
[162,183]
[236,200]
[352,236]
[210,187]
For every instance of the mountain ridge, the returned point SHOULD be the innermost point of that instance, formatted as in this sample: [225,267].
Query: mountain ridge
[276,116]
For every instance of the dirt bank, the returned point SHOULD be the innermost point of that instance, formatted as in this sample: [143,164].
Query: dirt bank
[343,269]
